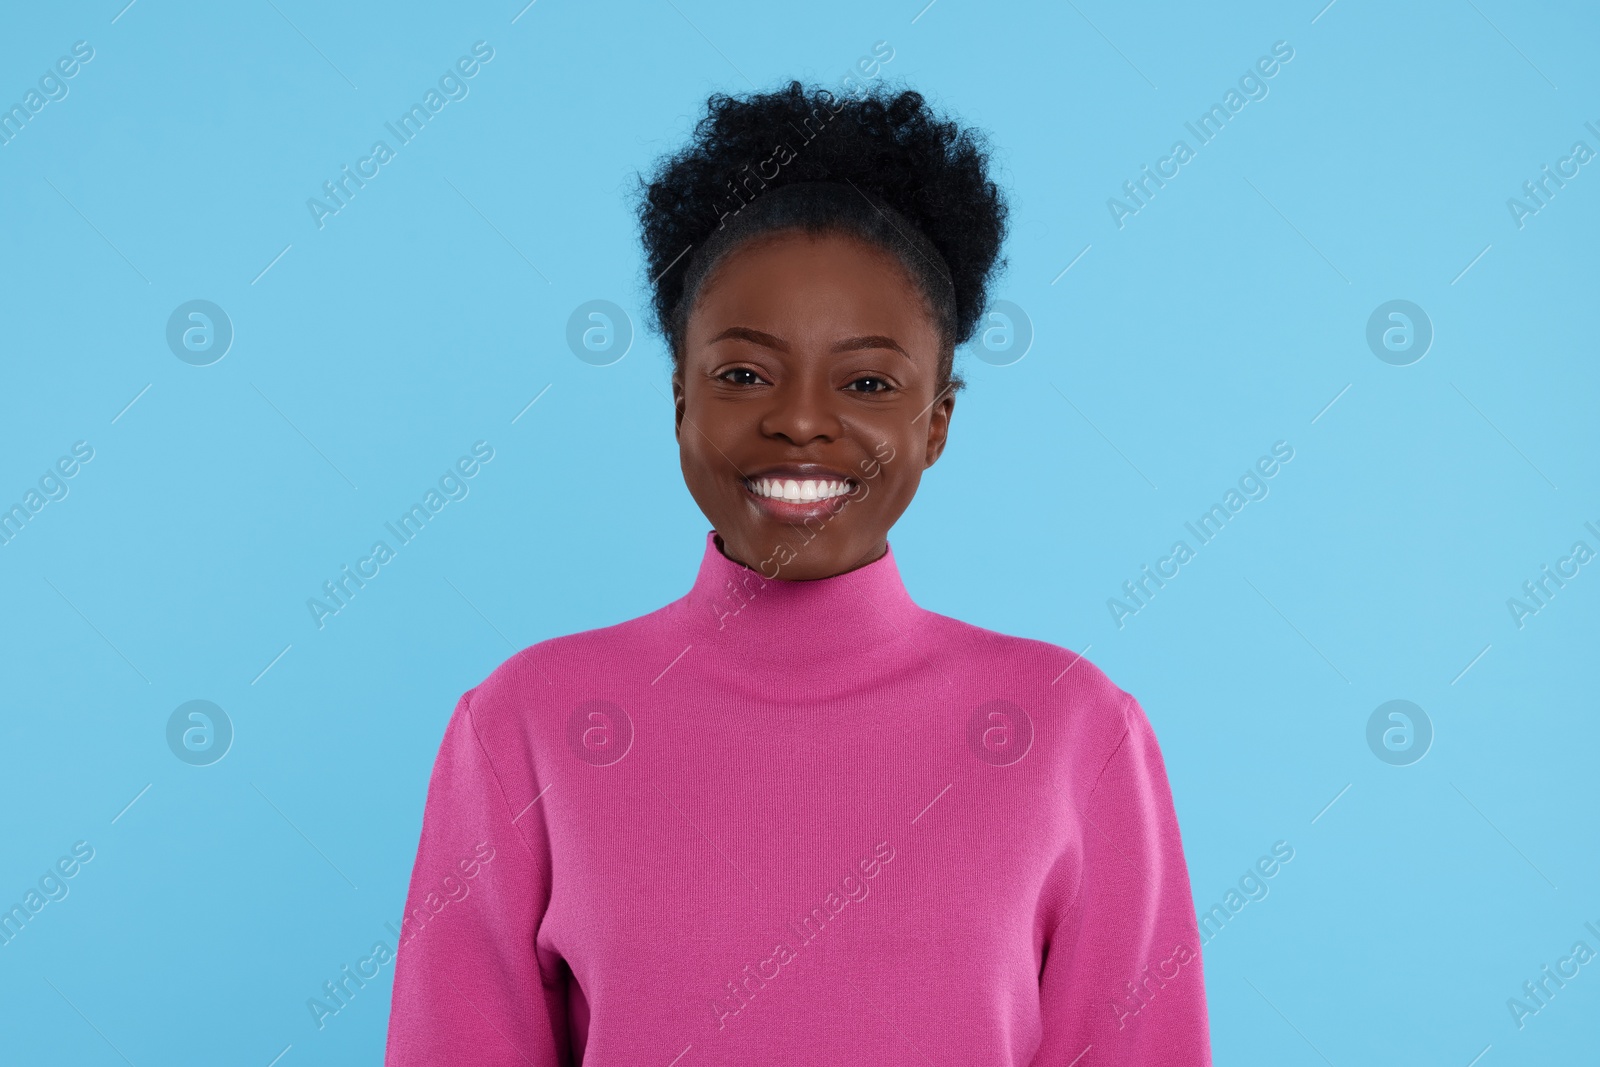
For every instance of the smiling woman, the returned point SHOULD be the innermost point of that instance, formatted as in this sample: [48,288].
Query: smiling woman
[677,792]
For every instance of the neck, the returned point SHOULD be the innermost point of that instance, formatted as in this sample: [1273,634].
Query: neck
[772,564]
[821,632]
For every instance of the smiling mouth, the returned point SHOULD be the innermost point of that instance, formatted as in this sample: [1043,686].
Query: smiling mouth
[800,490]
[795,501]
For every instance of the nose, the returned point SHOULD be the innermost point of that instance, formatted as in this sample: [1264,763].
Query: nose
[804,408]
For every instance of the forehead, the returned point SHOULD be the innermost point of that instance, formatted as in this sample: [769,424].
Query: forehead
[800,285]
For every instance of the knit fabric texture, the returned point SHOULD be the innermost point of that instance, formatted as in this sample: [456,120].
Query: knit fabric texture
[798,823]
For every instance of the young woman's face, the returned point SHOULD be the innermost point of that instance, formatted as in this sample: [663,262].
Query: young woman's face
[810,363]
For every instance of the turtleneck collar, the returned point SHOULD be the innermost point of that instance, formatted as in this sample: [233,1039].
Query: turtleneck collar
[836,622]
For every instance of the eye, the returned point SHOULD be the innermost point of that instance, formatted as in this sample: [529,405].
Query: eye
[739,370]
[882,385]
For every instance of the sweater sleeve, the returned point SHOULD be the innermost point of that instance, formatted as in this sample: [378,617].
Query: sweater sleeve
[468,984]
[1121,982]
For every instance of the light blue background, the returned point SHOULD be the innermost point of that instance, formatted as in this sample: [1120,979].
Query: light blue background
[1228,314]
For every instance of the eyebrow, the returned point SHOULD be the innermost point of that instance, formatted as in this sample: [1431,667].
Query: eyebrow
[849,344]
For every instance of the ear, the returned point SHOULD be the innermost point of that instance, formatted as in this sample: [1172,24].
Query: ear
[678,402]
[939,424]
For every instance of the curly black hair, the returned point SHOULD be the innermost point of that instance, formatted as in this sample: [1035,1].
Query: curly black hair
[878,164]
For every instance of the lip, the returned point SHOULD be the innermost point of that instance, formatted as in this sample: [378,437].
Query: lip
[799,510]
[801,471]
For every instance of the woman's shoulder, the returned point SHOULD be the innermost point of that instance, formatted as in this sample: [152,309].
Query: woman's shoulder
[559,669]
[1028,655]
[1060,691]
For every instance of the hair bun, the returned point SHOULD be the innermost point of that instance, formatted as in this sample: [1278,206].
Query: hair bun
[887,145]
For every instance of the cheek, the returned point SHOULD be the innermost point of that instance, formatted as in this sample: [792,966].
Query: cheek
[892,478]
[697,474]
[902,489]
[704,441]
[704,446]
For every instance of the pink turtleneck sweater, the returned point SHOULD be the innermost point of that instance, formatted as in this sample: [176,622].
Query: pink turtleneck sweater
[798,822]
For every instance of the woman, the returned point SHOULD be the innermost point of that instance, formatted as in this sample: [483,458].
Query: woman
[792,817]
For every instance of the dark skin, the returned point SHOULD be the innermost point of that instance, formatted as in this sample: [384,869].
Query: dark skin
[809,349]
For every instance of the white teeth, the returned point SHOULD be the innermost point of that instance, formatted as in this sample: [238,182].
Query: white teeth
[797,490]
